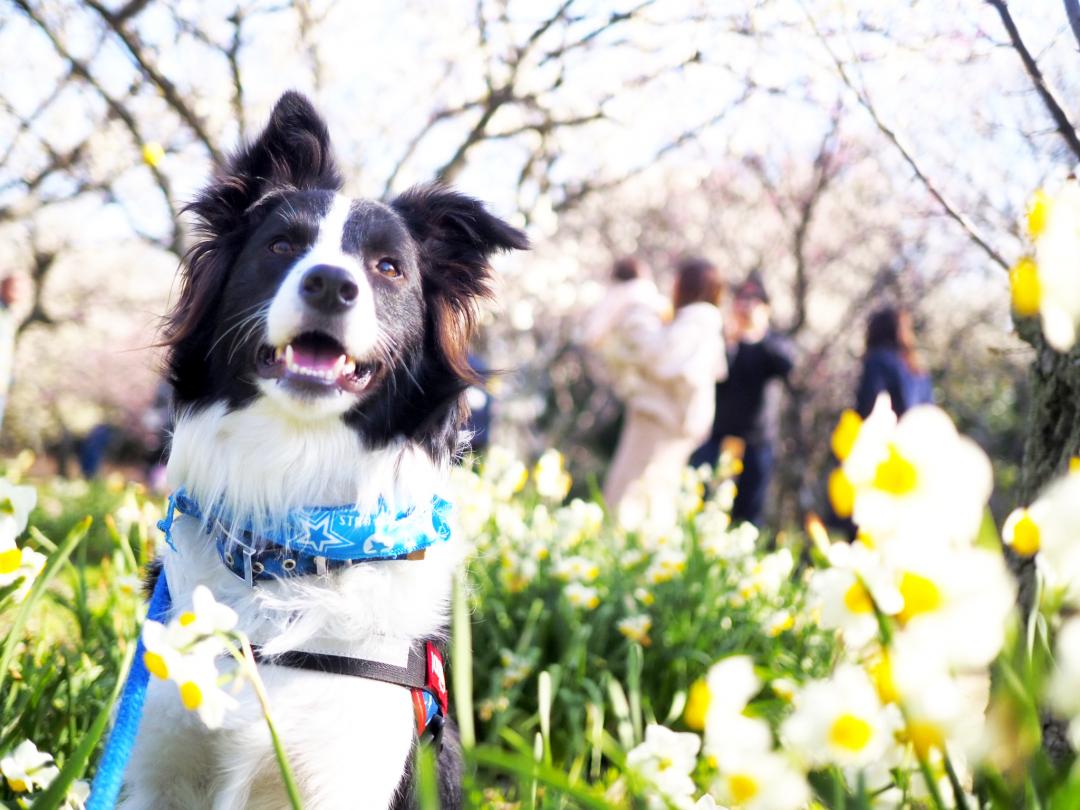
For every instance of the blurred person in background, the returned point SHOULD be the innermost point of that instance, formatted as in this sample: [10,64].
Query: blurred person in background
[618,328]
[748,400]
[671,407]
[891,364]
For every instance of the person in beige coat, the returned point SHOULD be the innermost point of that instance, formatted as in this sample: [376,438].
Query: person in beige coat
[671,410]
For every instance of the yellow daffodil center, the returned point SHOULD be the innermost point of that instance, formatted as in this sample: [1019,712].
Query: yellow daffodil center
[857,599]
[697,705]
[847,430]
[664,763]
[1074,464]
[186,618]
[1038,213]
[880,671]
[841,493]
[10,560]
[924,737]
[895,475]
[850,732]
[522,480]
[921,595]
[18,785]
[156,665]
[152,153]
[1025,287]
[191,695]
[1025,535]
[865,539]
[784,623]
[742,787]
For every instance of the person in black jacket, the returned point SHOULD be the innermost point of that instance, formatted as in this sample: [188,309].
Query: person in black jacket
[748,401]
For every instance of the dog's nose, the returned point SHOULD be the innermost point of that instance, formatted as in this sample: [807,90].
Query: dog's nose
[329,289]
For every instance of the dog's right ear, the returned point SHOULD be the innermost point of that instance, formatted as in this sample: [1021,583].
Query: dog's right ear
[292,153]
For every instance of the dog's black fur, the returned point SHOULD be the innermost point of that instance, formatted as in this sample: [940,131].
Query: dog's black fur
[281,184]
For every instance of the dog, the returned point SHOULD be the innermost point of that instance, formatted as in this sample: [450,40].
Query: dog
[318,354]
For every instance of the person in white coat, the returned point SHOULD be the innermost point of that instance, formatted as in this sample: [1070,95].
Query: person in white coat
[671,411]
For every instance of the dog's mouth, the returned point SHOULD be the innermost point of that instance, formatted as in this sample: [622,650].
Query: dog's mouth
[315,362]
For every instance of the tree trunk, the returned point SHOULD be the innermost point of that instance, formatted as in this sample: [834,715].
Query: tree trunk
[1053,437]
[1053,433]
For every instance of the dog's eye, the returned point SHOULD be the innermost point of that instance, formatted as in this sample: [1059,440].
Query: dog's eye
[282,247]
[388,268]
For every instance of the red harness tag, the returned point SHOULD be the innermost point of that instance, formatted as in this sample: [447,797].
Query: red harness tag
[436,678]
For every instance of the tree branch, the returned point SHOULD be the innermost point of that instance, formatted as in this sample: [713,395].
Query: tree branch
[82,70]
[1061,120]
[951,210]
[168,90]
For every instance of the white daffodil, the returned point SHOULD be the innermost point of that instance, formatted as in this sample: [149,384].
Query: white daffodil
[846,593]
[956,603]
[1051,527]
[768,575]
[185,652]
[576,569]
[916,478]
[16,504]
[551,480]
[77,796]
[940,707]
[582,596]
[1047,284]
[666,759]
[840,721]
[1064,689]
[19,563]
[503,472]
[197,679]
[760,780]
[577,521]
[26,768]
[718,539]
[717,706]
[636,628]
[666,565]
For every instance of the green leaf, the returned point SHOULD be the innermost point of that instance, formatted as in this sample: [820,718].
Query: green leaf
[76,764]
[37,591]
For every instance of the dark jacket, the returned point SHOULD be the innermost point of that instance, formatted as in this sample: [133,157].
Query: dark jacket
[748,401]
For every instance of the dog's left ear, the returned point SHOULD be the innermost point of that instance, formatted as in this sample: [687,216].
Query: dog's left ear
[457,236]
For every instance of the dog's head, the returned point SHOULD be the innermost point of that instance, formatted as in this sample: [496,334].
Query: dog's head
[332,308]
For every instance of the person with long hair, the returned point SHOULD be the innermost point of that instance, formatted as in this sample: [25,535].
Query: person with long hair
[672,409]
[891,364]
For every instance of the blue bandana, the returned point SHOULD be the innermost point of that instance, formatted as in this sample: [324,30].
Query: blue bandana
[315,540]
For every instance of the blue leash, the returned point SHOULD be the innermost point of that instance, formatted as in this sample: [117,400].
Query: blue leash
[110,773]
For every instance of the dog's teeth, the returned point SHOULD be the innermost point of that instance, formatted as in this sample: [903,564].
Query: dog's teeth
[277,355]
[339,364]
[289,356]
[348,367]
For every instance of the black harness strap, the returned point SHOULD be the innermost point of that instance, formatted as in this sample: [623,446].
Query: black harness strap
[414,675]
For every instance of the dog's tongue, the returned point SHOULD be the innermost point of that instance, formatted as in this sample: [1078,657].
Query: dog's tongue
[315,356]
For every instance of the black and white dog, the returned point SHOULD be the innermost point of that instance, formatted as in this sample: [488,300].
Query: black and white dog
[318,352]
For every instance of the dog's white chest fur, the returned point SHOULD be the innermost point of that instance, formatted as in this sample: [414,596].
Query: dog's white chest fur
[347,738]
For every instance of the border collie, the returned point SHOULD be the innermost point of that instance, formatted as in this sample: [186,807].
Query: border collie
[318,352]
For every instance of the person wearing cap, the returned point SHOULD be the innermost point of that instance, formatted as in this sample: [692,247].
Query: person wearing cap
[748,400]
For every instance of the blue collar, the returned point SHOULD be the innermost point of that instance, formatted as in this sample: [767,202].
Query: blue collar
[315,540]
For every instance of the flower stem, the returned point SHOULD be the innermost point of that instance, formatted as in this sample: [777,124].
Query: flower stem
[252,671]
